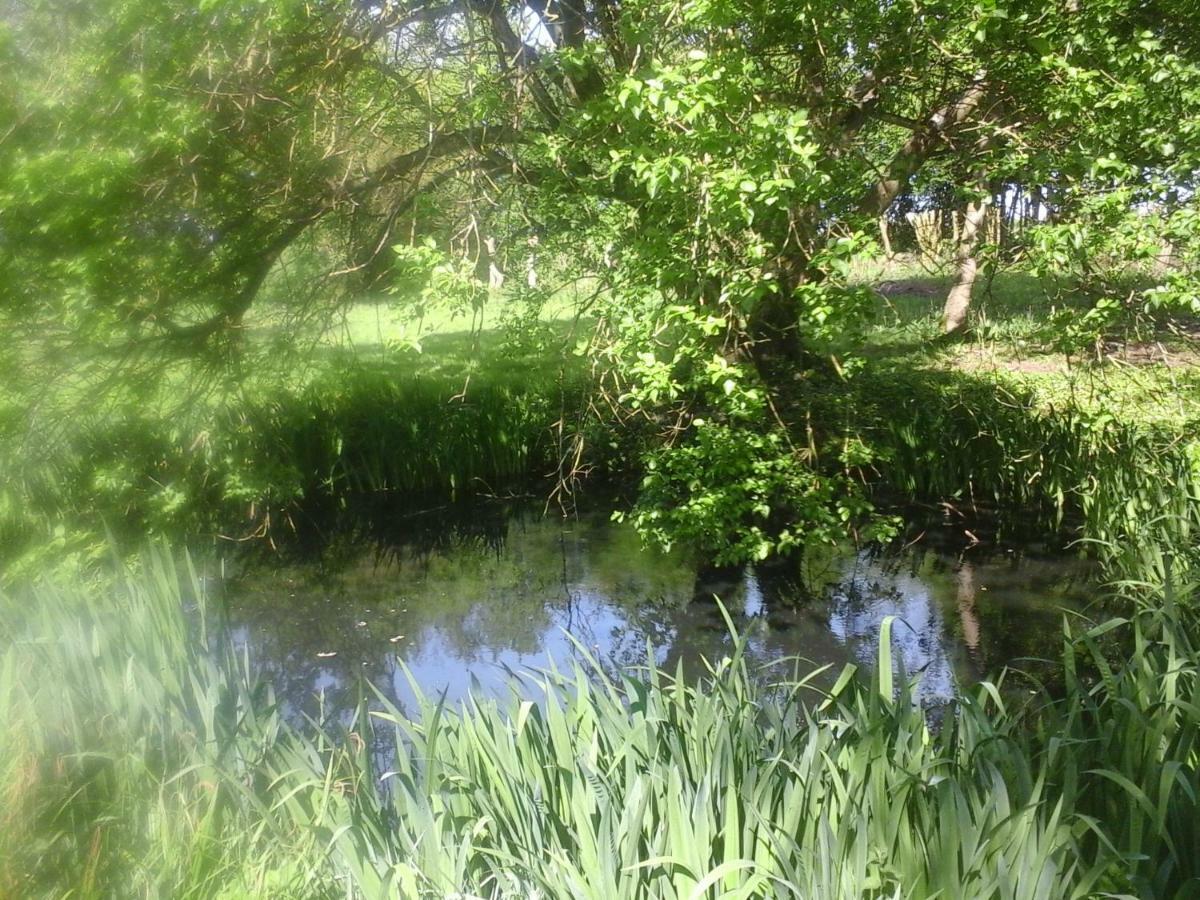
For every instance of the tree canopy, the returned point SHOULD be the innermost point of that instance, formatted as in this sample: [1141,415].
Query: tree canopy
[159,157]
[718,165]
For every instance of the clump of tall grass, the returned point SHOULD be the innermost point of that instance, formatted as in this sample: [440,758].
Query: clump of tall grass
[130,738]
[249,461]
[1120,486]
[142,758]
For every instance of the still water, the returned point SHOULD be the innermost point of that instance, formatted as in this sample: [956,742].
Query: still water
[503,593]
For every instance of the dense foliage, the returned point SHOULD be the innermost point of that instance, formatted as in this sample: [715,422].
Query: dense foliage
[170,171]
[207,209]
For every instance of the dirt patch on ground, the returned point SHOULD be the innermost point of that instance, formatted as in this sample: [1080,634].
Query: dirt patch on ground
[1147,353]
[982,359]
[1137,354]
[911,287]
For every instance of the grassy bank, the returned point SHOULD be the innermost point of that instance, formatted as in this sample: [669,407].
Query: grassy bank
[1098,448]
[259,451]
[141,758]
[987,445]
[1029,332]
[1100,445]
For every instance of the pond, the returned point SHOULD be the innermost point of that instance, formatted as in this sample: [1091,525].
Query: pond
[461,606]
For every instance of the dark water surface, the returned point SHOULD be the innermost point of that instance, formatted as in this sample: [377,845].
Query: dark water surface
[464,607]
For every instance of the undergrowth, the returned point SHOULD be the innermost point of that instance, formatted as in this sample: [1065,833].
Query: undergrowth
[984,443]
[255,459]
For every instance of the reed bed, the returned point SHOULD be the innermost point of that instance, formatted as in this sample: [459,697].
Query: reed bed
[266,459]
[983,443]
[141,757]
[254,460]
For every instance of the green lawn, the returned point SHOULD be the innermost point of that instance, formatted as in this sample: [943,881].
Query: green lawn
[507,335]
[1151,377]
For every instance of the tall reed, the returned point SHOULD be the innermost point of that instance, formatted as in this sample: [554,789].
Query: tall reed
[1121,487]
[261,456]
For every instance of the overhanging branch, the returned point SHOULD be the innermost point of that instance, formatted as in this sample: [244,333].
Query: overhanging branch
[440,146]
[920,146]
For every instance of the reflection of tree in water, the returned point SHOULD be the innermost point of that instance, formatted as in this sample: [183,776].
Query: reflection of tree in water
[481,603]
[767,606]
[500,591]
[399,535]
[965,596]
[305,683]
[868,595]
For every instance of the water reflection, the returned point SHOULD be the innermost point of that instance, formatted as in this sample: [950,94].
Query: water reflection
[465,614]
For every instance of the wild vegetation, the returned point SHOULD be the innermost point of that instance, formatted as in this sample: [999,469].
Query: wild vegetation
[774,271]
[176,179]
[260,459]
[140,751]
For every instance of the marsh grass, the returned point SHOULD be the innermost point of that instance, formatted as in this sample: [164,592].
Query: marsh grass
[1103,450]
[142,758]
[128,737]
[985,444]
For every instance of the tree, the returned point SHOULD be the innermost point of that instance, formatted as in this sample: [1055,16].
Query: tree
[191,145]
[719,164]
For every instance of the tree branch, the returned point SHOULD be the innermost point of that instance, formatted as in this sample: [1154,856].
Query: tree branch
[918,148]
[440,146]
[255,269]
[517,52]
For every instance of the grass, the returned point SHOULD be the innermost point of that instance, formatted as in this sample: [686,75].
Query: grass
[1003,418]
[377,324]
[1147,375]
[293,432]
[142,758]
[301,431]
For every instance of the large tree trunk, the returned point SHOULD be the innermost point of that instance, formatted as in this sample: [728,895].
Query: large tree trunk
[958,301]
[774,328]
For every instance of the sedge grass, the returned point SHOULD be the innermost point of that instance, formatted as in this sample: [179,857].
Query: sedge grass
[265,453]
[1119,486]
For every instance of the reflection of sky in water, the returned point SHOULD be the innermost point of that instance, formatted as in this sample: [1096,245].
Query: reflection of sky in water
[439,668]
[463,620]
[868,595]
